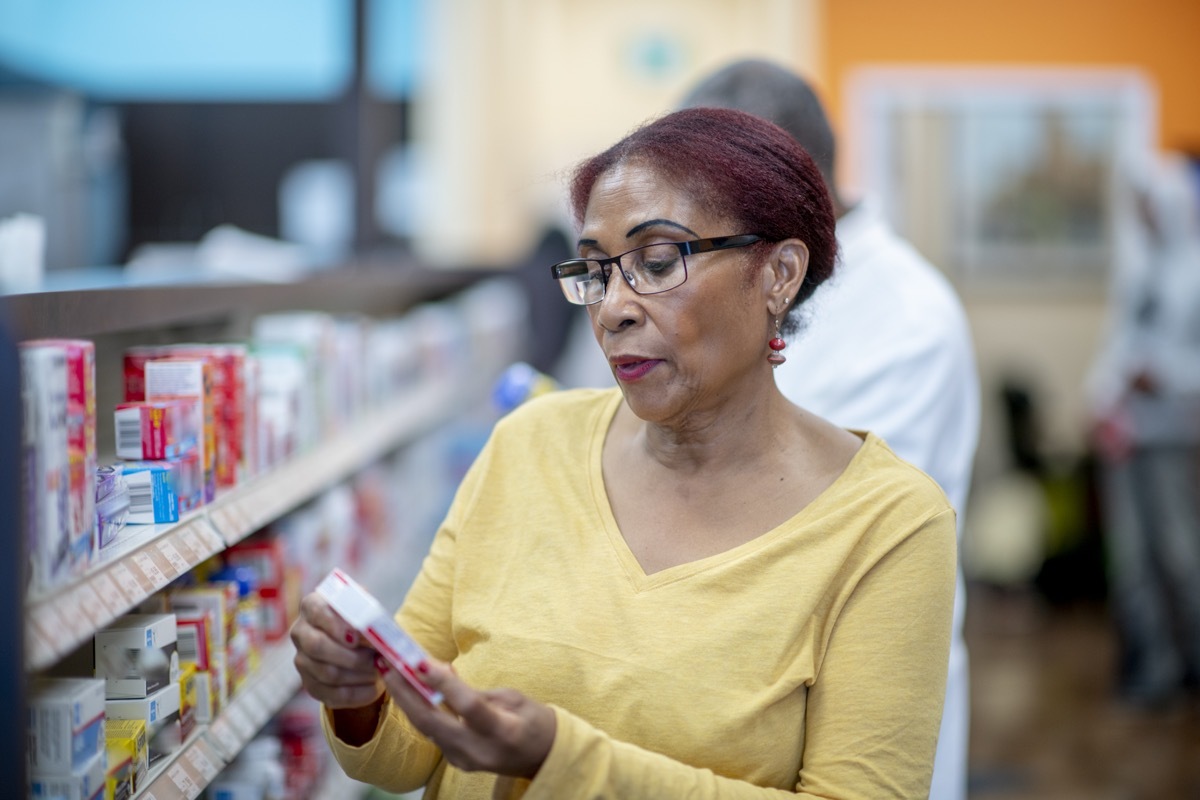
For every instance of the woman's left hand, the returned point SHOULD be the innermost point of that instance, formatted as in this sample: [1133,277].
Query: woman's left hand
[499,730]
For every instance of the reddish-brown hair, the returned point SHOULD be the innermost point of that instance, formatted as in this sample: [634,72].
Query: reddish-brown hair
[736,166]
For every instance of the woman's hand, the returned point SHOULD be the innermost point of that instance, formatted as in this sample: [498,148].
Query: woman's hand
[335,665]
[499,730]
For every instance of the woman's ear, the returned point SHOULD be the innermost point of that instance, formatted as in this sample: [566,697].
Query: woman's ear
[784,273]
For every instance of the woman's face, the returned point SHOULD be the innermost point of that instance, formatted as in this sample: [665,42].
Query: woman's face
[695,346]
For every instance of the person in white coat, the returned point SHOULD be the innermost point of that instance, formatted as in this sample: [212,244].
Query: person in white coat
[887,349]
[1144,389]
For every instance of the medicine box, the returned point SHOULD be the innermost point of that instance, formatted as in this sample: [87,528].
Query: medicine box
[137,655]
[362,611]
[46,477]
[80,356]
[155,430]
[160,712]
[85,782]
[180,378]
[65,723]
[152,497]
[228,368]
[219,605]
[128,755]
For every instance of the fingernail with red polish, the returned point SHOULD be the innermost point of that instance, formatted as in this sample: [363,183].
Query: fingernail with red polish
[349,637]
[423,667]
[380,664]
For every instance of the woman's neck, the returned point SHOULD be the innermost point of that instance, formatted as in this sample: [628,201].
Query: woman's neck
[736,433]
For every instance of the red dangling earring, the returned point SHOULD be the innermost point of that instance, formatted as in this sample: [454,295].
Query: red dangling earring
[777,344]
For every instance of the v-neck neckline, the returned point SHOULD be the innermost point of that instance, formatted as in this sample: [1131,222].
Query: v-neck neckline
[633,569]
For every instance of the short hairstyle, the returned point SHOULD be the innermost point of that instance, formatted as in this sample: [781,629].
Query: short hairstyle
[737,166]
[772,92]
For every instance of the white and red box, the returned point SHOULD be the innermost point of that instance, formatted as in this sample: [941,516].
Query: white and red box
[228,365]
[80,357]
[46,479]
[155,430]
[363,612]
[194,647]
[189,379]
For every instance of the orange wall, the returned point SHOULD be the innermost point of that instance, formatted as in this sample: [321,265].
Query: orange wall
[1161,37]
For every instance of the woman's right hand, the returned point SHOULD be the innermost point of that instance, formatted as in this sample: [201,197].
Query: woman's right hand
[335,664]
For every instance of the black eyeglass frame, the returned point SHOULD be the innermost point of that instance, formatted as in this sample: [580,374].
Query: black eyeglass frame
[575,267]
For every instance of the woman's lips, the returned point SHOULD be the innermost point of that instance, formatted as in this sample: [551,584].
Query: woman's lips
[633,369]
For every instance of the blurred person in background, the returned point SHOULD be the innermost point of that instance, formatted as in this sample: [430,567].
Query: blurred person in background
[887,349]
[691,586]
[1145,393]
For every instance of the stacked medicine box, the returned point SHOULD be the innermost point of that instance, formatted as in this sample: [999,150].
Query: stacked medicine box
[136,656]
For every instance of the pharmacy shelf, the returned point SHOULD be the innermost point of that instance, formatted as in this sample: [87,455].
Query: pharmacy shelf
[98,302]
[58,622]
[266,691]
[185,773]
[238,514]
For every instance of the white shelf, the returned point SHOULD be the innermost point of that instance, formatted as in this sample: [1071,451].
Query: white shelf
[264,694]
[57,622]
[210,748]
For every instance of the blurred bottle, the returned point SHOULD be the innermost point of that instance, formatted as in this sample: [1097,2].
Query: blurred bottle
[518,383]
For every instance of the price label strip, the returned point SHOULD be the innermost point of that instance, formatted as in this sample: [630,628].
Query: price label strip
[152,573]
[226,740]
[170,552]
[110,593]
[74,621]
[130,586]
[183,781]
[200,760]
[93,606]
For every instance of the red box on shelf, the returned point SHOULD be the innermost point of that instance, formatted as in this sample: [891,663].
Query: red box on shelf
[155,430]
[228,365]
[189,378]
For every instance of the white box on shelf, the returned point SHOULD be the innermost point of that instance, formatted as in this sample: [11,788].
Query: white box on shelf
[161,713]
[85,782]
[136,655]
[65,727]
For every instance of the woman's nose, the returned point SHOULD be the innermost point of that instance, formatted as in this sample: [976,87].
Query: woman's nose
[621,305]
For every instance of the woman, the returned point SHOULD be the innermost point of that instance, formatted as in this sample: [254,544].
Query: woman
[689,586]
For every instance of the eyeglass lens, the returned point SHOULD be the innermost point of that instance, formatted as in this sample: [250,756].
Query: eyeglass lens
[648,270]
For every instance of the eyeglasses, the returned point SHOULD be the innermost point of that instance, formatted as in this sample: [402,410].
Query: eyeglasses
[650,269]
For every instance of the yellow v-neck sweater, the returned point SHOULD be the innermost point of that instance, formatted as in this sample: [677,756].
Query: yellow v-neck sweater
[809,660]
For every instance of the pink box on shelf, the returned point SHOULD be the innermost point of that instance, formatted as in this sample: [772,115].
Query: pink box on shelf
[155,430]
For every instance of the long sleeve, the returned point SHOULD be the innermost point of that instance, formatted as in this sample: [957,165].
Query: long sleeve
[398,758]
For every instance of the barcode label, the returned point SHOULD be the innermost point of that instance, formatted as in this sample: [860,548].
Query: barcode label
[187,644]
[129,435]
[141,500]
